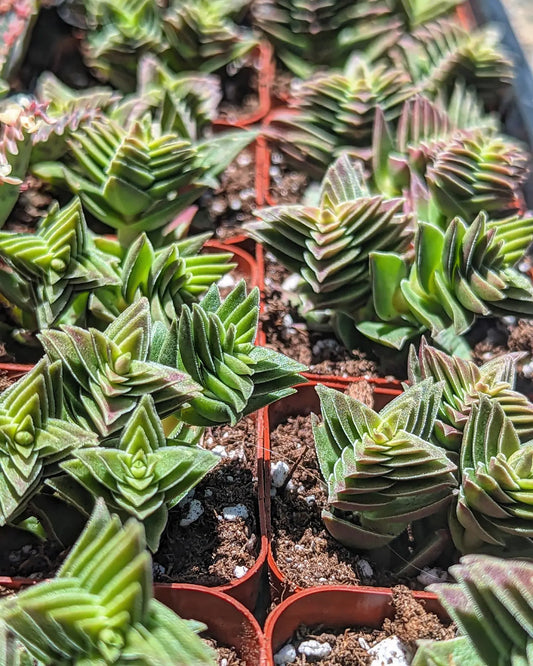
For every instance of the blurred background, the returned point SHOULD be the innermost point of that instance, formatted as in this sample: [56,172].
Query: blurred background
[521,17]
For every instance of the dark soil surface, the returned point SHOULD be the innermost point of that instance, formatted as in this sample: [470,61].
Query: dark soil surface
[304,550]
[240,89]
[208,551]
[410,622]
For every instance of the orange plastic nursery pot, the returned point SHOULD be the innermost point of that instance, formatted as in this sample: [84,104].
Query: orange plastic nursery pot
[228,621]
[246,264]
[338,607]
[303,402]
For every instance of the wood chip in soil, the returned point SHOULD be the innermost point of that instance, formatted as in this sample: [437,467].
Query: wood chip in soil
[208,551]
[410,622]
[304,551]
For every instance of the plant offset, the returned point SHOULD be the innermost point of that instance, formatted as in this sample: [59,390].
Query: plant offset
[121,124]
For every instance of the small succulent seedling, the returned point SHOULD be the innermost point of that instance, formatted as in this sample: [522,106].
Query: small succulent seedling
[328,245]
[457,275]
[99,609]
[52,266]
[34,435]
[214,343]
[382,471]
[107,373]
[142,474]
[464,384]
[492,606]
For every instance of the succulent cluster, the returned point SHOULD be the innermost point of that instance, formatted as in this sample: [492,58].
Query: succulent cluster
[187,36]
[453,452]
[311,33]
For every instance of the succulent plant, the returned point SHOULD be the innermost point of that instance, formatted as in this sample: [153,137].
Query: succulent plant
[456,276]
[142,474]
[464,384]
[119,33]
[419,12]
[381,469]
[51,267]
[202,35]
[492,607]
[186,103]
[307,33]
[214,343]
[335,111]
[99,609]
[130,178]
[475,172]
[439,53]
[18,121]
[66,110]
[493,512]
[328,245]
[107,373]
[17,18]
[169,277]
[34,436]
[400,156]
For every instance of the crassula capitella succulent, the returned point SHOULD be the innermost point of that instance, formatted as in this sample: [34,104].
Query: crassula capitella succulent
[34,435]
[213,341]
[493,511]
[441,52]
[382,471]
[491,604]
[202,34]
[328,245]
[130,178]
[119,33]
[455,276]
[335,110]
[99,609]
[464,384]
[142,474]
[105,374]
[51,267]
[308,34]
[169,277]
